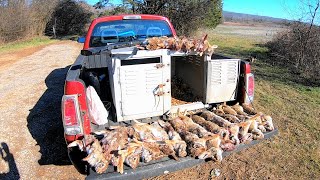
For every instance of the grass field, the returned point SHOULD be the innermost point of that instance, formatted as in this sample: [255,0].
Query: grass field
[295,107]
[37,41]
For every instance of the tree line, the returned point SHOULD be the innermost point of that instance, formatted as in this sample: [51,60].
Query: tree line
[22,19]
[186,15]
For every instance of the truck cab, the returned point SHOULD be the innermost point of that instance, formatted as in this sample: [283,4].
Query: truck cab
[144,85]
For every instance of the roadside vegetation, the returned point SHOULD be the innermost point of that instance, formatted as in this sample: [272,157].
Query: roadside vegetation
[24,20]
[298,47]
[23,24]
[31,24]
[18,45]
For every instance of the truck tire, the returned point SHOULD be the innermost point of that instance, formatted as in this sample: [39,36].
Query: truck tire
[76,156]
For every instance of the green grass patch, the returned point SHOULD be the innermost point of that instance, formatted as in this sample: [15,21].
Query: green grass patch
[236,46]
[37,41]
[268,98]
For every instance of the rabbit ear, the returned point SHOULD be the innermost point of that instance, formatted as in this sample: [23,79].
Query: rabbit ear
[161,123]
[205,155]
[137,122]
[134,144]
[254,117]
[113,127]
[205,37]
[184,112]
[101,132]
[175,157]
[88,157]
[121,152]
[178,112]
[120,165]
[134,140]
[78,143]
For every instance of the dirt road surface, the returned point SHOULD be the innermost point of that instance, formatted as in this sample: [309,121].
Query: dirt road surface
[31,138]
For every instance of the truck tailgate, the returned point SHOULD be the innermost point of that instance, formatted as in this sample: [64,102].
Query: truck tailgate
[165,165]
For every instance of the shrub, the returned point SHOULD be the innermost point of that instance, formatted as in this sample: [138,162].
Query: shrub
[69,17]
[20,19]
[299,49]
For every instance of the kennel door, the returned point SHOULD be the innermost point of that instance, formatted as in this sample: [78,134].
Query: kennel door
[222,79]
[139,88]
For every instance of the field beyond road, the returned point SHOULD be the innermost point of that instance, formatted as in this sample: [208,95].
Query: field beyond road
[31,137]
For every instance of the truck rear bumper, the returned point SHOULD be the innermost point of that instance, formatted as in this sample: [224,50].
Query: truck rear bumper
[165,165]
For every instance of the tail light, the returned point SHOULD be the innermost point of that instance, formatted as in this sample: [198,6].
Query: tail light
[71,115]
[247,78]
[249,88]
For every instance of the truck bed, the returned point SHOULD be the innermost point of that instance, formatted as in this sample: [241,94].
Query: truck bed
[165,165]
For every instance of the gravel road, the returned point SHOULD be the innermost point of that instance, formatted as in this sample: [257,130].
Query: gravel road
[31,138]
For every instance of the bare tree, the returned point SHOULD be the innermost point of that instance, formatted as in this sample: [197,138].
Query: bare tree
[21,19]
[69,17]
[313,6]
[299,46]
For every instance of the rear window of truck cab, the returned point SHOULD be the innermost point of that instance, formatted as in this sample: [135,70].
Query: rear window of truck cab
[128,30]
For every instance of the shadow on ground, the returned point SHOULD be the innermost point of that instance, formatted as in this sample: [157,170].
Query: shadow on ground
[7,158]
[44,121]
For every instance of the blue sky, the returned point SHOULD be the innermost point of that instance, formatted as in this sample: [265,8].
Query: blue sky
[274,8]
[285,9]
[111,1]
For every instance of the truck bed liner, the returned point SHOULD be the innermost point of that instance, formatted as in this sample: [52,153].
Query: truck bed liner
[156,168]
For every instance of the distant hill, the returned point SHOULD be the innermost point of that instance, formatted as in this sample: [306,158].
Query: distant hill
[248,18]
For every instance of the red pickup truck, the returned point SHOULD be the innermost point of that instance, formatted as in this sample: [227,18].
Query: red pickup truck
[110,63]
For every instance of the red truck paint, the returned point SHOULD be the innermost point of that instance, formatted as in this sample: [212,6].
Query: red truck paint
[248,81]
[120,17]
[76,87]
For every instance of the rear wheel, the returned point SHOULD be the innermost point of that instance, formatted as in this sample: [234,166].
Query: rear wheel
[76,156]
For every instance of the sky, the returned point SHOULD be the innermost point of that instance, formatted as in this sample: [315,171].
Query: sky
[111,1]
[286,9]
